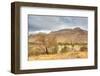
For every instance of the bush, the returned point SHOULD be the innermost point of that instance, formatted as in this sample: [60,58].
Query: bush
[64,50]
[53,50]
[83,49]
[35,51]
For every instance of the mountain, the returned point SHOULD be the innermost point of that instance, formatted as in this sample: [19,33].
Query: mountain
[76,35]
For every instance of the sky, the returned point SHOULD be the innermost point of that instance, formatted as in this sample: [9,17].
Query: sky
[40,23]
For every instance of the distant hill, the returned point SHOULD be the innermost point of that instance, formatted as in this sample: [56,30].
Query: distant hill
[76,35]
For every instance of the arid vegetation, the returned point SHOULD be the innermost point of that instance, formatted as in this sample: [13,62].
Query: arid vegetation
[47,47]
[66,55]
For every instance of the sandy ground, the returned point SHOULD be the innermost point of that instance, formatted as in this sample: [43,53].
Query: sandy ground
[67,55]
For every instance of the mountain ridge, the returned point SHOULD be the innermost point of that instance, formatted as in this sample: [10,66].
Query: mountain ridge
[75,35]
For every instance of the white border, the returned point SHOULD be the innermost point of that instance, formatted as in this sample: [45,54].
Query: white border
[24,64]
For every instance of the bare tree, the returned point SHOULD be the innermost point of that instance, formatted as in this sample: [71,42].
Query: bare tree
[46,41]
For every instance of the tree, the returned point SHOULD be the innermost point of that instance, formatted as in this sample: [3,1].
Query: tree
[51,42]
[46,41]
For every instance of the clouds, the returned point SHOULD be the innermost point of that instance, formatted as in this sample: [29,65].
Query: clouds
[52,23]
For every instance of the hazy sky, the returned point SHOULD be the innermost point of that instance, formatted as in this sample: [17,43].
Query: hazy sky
[38,23]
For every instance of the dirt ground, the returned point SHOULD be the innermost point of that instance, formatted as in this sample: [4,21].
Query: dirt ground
[67,55]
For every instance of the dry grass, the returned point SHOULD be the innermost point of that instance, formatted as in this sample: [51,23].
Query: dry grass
[67,55]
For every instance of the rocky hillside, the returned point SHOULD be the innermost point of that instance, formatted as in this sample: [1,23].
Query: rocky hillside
[76,35]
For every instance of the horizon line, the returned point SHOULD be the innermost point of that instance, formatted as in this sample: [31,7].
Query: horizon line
[48,31]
